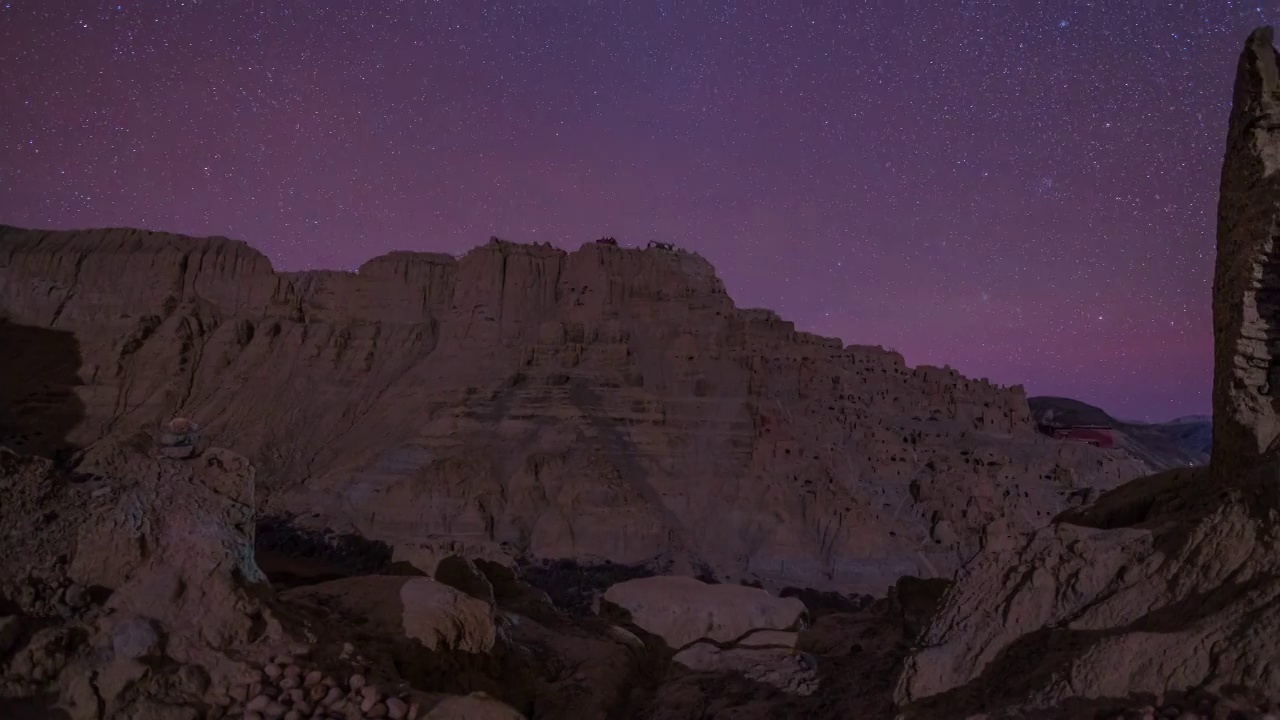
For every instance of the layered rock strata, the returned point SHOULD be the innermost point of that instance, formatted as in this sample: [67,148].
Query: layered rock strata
[603,404]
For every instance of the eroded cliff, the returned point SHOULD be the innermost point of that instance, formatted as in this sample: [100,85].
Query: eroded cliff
[603,404]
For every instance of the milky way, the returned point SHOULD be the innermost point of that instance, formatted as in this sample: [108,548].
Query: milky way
[1023,191]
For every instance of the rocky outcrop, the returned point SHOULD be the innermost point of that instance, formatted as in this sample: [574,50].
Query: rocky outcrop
[1161,586]
[1246,314]
[129,560]
[1171,583]
[608,404]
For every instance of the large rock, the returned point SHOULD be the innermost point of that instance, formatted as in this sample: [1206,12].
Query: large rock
[1246,313]
[132,562]
[1169,583]
[177,530]
[721,628]
[603,404]
[1159,587]
[769,658]
[418,608]
[470,707]
[682,610]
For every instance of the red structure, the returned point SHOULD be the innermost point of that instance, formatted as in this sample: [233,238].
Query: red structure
[1096,435]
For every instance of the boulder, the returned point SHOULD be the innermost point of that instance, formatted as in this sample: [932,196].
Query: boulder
[140,571]
[476,706]
[418,608]
[781,667]
[181,531]
[682,610]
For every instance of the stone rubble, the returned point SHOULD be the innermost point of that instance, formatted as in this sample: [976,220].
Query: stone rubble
[289,689]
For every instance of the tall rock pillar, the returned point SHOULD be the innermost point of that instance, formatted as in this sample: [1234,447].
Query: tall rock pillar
[1246,282]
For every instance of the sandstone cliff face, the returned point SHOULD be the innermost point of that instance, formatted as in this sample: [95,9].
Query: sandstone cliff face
[607,403]
[1168,584]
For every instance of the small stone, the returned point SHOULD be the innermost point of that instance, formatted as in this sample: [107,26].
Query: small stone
[396,708]
[356,682]
[239,693]
[293,715]
[275,710]
[253,715]
[312,678]
[367,704]
[318,692]
[370,691]
[332,697]
[257,704]
[289,683]
[272,671]
[283,660]
[379,710]
[293,671]
[414,710]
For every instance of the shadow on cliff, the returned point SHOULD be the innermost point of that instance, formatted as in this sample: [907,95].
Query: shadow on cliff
[39,372]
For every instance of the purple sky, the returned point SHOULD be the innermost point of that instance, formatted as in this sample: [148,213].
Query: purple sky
[1025,191]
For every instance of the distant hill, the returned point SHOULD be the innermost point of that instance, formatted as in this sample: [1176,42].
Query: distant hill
[1180,442]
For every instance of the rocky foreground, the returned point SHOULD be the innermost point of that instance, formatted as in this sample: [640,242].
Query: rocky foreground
[141,578]
[131,591]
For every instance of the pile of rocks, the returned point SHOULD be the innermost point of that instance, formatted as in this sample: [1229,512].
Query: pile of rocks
[287,689]
[179,439]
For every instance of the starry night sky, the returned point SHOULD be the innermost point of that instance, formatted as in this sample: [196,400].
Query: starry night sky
[1025,191]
